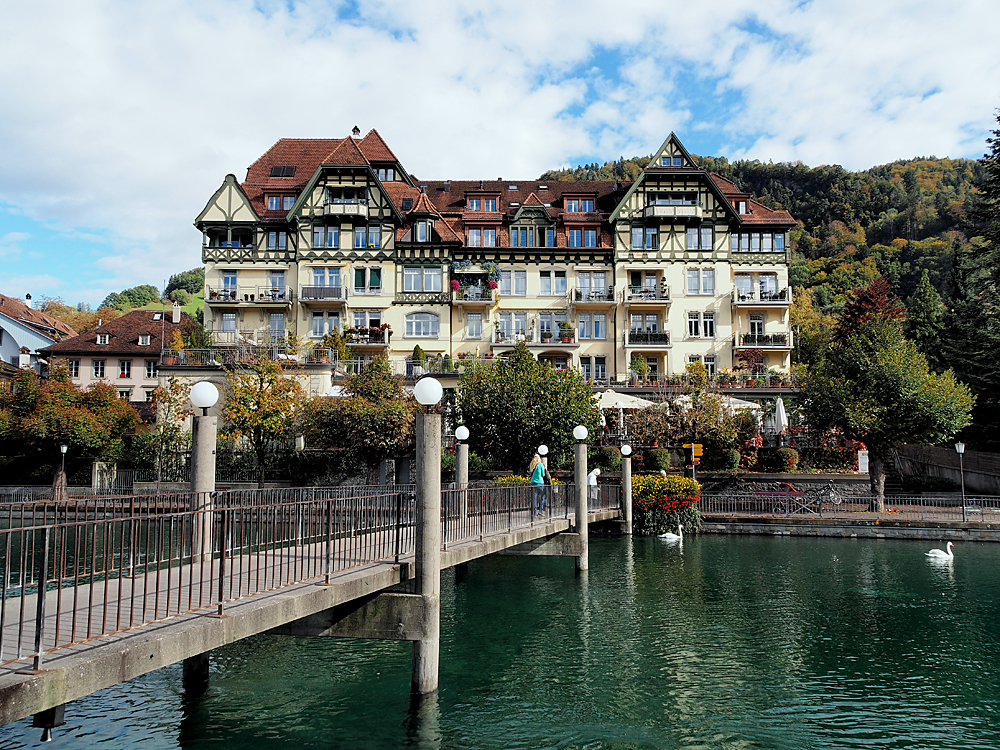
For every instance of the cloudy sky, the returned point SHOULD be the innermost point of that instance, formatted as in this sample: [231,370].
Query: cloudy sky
[119,119]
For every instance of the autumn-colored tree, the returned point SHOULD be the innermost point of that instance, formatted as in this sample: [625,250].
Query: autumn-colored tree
[518,403]
[813,329]
[80,318]
[866,304]
[874,386]
[172,406]
[37,417]
[263,401]
[374,422]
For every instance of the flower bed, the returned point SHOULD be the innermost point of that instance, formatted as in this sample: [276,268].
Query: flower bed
[660,503]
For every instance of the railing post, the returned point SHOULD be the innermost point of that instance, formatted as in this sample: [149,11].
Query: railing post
[223,530]
[399,523]
[43,574]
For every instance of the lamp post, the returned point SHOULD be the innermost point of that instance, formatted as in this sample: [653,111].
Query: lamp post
[426,650]
[580,435]
[543,451]
[61,488]
[462,471]
[204,429]
[960,450]
[627,487]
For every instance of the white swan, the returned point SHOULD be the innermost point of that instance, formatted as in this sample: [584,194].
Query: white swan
[672,537]
[940,554]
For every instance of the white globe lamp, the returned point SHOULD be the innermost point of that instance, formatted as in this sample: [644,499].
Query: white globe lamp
[580,433]
[428,391]
[203,395]
[462,433]
[543,450]
[626,450]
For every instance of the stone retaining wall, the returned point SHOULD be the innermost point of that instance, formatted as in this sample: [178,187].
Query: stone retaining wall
[931,531]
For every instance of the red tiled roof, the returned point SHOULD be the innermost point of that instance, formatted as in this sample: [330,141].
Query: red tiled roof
[124,332]
[726,186]
[39,321]
[346,152]
[423,205]
[761,214]
[376,149]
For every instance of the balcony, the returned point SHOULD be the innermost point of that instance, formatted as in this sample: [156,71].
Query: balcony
[533,339]
[658,339]
[228,356]
[369,337]
[763,341]
[251,337]
[474,296]
[323,294]
[508,338]
[222,296]
[346,208]
[586,296]
[422,298]
[762,298]
[640,295]
[673,212]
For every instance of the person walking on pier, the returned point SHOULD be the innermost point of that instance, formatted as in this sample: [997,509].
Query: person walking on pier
[538,474]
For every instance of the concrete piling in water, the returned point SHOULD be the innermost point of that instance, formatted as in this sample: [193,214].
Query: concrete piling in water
[582,490]
[627,493]
[428,553]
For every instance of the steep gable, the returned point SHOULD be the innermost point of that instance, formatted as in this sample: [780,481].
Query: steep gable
[229,203]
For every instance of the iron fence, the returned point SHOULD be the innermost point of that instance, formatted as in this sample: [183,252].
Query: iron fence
[843,502]
[79,569]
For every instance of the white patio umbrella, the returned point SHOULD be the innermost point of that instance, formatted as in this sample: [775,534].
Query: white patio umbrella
[780,417]
[611,400]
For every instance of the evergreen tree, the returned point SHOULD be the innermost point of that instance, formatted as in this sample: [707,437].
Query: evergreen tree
[923,324]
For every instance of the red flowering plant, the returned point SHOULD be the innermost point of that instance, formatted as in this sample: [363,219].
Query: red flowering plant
[662,503]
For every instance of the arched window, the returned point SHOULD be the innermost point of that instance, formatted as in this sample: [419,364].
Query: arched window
[422,325]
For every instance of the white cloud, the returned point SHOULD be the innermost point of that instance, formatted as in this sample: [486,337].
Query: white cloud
[119,119]
[10,243]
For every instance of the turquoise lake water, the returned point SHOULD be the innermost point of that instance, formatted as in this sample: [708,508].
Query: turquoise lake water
[726,642]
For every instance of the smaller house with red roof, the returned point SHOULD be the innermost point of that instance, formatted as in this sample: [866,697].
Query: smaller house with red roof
[24,330]
[124,352]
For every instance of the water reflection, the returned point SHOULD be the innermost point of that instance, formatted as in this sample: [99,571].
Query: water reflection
[727,642]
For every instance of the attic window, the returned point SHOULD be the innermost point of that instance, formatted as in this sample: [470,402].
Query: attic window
[102,338]
[514,204]
[407,204]
[282,171]
[143,339]
[543,187]
[157,316]
[512,187]
[547,205]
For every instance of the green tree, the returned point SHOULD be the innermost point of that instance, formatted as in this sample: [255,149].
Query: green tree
[374,422]
[923,324]
[875,386]
[135,296]
[37,417]
[518,403]
[263,401]
[192,282]
[813,329]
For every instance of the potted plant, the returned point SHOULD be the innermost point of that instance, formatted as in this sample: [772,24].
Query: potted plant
[566,332]
[545,335]
[639,367]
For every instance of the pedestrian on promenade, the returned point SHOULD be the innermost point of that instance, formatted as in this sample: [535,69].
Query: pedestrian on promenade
[592,484]
[538,474]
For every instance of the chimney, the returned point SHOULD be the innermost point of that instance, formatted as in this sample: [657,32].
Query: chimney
[27,300]
[447,186]
[423,190]
[480,184]
[177,314]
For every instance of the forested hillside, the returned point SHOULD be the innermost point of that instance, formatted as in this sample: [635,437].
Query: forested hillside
[895,220]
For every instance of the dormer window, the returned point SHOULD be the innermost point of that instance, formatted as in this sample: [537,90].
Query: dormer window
[490,204]
[407,204]
[580,205]
[143,339]
[103,338]
[386,175]
[741,207]
[475,204]
[421,231]
[280,202]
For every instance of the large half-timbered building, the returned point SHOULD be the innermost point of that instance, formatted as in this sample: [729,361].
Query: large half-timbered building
[677,266]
